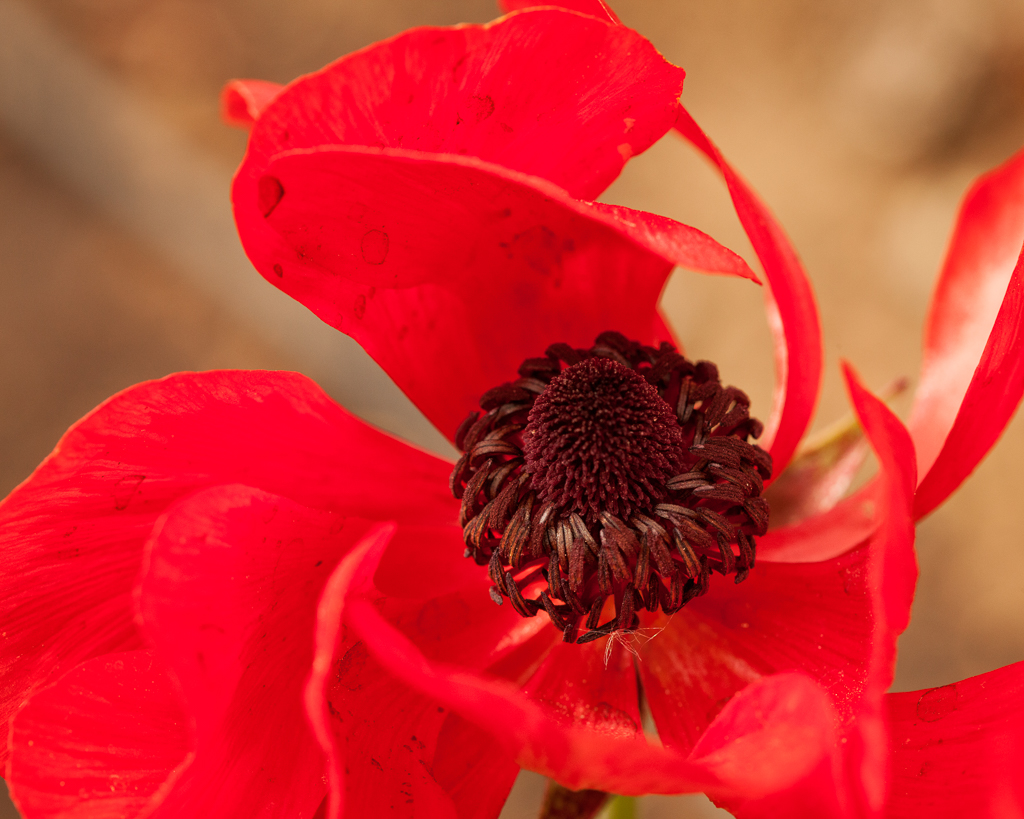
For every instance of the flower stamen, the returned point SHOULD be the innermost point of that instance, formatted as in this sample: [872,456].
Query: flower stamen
[619,473]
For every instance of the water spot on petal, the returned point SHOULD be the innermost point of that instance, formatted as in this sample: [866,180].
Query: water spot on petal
[629,122]
[937,703]
[374,246]
[278,271]
[268,193]
[360,307]
[625,151]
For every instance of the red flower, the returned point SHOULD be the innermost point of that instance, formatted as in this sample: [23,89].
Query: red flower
[225,596]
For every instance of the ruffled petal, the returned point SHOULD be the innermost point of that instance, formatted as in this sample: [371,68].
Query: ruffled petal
[451,298]
[242,101]
[554,94]
[575,750]
[228,600]
[583,753]
[100,742]
[958,750]
[72,534]
[985,245]
[391,749]
[792,312]
[991,399]
[810,617]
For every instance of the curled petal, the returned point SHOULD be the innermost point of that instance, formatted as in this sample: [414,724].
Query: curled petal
[983,250]
[892,578]
[992,397]
[89,508]
[792,312]
[510,262]
[678,243]
[101,743]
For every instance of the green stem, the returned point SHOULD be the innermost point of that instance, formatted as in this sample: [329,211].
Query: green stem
[620,807]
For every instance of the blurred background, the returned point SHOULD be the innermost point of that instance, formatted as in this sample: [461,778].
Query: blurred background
[860,123]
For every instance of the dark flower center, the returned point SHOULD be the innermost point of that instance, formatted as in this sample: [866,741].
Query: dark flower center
[617,477]
[601,439]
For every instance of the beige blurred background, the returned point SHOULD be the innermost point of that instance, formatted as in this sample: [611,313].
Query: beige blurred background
[861,123]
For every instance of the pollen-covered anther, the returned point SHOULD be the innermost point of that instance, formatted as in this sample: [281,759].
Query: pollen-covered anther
[610,480]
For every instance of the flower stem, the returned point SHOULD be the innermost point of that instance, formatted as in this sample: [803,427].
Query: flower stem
[620,807]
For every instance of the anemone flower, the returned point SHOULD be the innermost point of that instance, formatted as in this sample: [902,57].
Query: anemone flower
[223,595]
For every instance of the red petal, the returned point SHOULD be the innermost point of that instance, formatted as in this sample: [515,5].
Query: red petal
[228,600]
[589,687]
[595,8]
[423,562]
[678,243]
[583,754]
[451,298]
[892,577]
[390,748]
[853,782]
[820,474]
[992,398]
[554,94]
[802,738]
[88,509]
[813,617]
[822,537]
[466,766]
[578,747]
[588,747]
[985,246]
[242,101]
[957,750]
[792,312]
[99,743]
